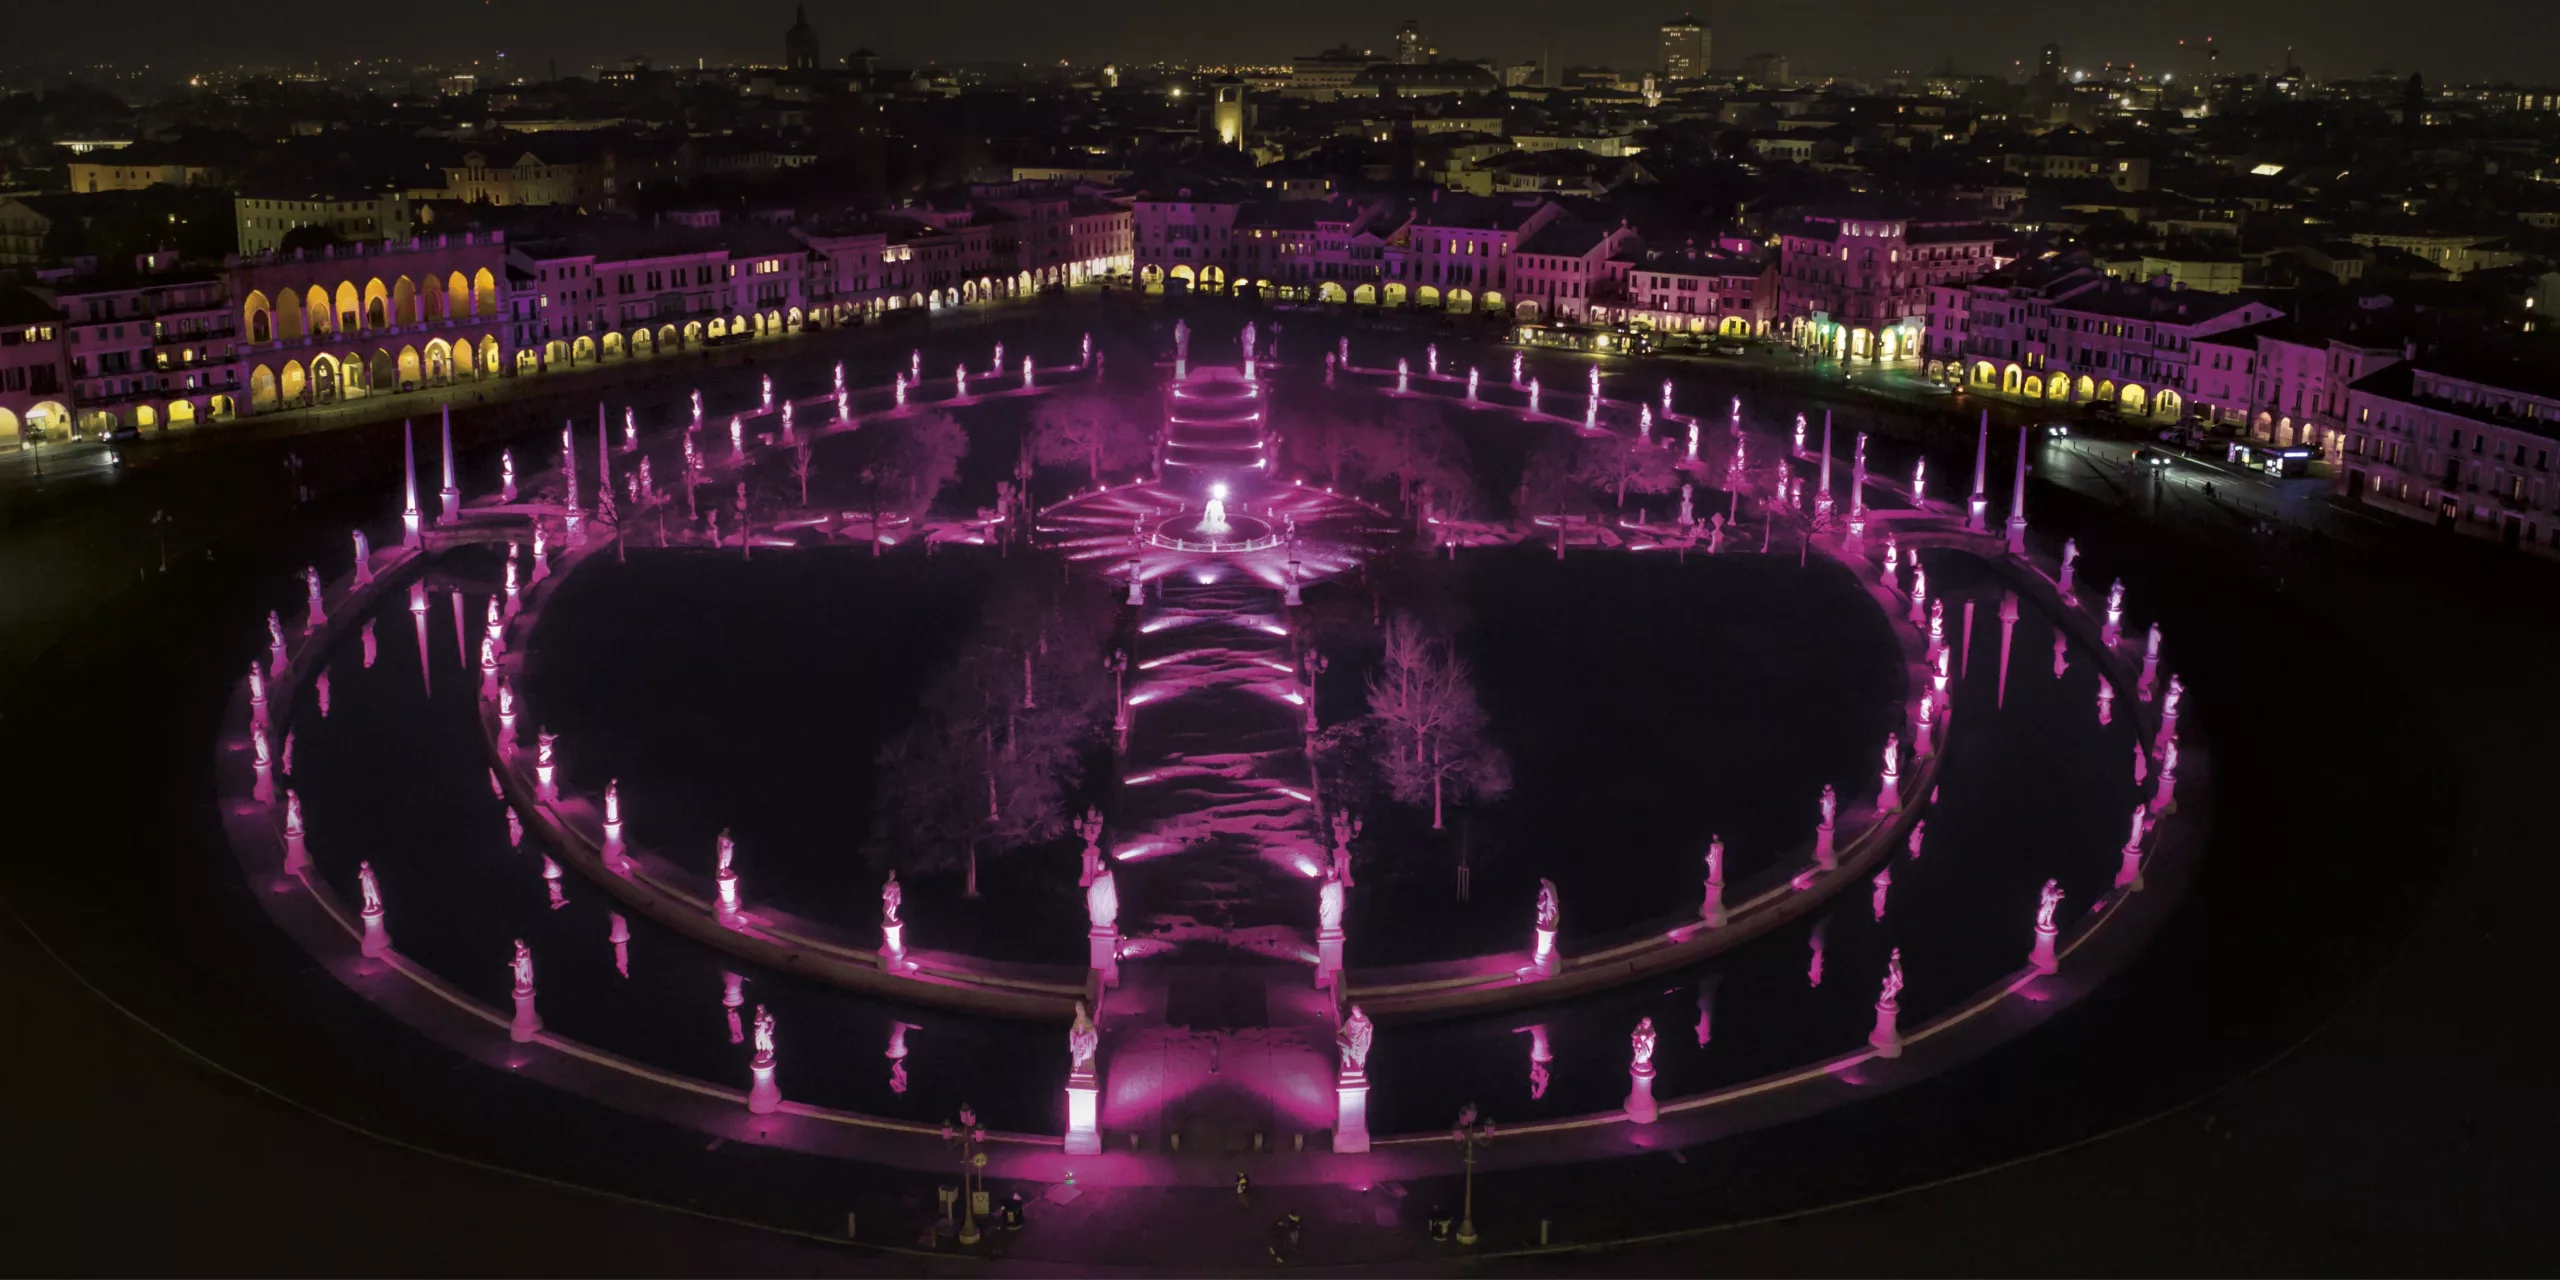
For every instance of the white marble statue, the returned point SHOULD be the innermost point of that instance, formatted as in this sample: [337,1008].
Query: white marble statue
[369,889]
[890,898]
[1353,1040]
[1329,905]
[1892,978]
[1083,1039]
[2047,903]
[1547,906]
[1102,900]
[522,968]
[1643,1042]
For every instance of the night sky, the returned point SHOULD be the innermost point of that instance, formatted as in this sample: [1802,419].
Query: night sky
[2452,40]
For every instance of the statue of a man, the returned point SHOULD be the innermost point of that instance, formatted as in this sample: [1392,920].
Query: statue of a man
[522,967]
[543,739]
[1547,909]
[1329,904]
[1353,1040]
[1892,753]
[369,889]
[728,852]
[2047,903]
[890,896]
[1643,1042]
[1830,804]
[764,1035]
[1892,977]
[1082,1039]
[1102,900]
[275,631]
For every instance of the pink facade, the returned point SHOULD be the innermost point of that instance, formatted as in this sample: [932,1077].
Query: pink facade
[1857,287]
[320,328]
[2467,448]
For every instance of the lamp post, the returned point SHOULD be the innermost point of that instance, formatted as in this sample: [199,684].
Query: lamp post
[973,1163]
[1118,665]
[1470,1133]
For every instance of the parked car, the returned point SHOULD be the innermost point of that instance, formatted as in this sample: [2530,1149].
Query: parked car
[1729,348]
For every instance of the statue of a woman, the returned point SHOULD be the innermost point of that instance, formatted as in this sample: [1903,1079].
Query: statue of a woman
[1892,977]
[764,1036]
[2046,904]
[522,968]
[1329,904]
[1830,804]
[1643,1041]
[728,853]
[1547,907]
[1082,1040]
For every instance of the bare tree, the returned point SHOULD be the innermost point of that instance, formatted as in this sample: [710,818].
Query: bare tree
[983,766]
[1088,427]
[803,465]
[1626,462]
[1431,735]
[906,463]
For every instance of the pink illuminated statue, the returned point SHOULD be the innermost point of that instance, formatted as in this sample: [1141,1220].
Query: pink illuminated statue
[2042,959]
[521,967]
[1822,832]
[891,897]
[1889,794]
[2129,869]
[1711,911]
[1353,1041]
[1821,930]
[2061,655]
[377,939]
[1886,1039]
[1515,364]
[2106,701]
[1918,830]
[2070,554]
[765,1097]
[1640,1108]
[1082,1040]
[618,932]
[1089,827]
[515,828]
[1883,884]
[320,691]
[316,616]
[1920,482]
[727,874]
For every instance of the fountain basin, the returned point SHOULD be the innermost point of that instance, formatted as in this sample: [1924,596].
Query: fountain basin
[1241,533]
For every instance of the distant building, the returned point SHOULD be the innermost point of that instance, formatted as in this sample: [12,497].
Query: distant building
[1324,76]
[1228,115]
[800,43]
[1856,285]
[265,215]
[35,381]
[1766,71]
[1410,50]
[1686,45]
[2461,440]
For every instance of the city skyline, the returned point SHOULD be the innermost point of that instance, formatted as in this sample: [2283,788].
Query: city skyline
[2472,41]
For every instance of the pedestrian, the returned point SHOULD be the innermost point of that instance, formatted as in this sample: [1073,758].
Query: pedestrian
[1013,1213]
[1244,1191]
[1440,1223]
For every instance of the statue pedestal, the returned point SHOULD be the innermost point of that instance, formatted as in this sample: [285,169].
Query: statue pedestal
[728,882]
[1886,1039]
[1137,589]
[297,857]
[765,1097]
[2165,799]
[2041,958]
[528,1024]
[1640,1107]
[2018,536]
[1711,911]
[316,618]
[1103,946]
[1328,957]
[1543,960]
[1084,1105]
[893,947]
[263,789]
[1351,1112]
[1822,854]
[1889,796]
[2129,871]
[543,779]
[377,940]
